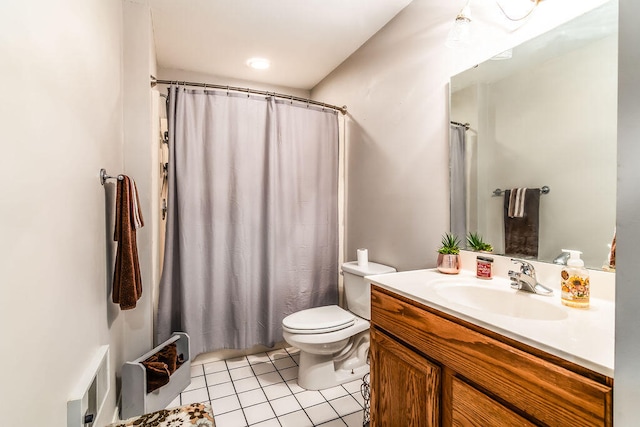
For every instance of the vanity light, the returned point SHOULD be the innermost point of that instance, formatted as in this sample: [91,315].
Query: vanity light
[460,33]
[258,63]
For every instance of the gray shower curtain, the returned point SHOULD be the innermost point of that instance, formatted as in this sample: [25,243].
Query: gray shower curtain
[458,182]
[252,226]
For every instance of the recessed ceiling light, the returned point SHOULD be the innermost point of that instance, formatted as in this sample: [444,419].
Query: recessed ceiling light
[259,63]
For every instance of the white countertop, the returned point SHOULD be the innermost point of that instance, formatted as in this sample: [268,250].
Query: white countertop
[583,336]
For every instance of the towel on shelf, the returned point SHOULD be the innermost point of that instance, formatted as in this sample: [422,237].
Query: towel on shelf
[521,234]
[127,282]
[517,197]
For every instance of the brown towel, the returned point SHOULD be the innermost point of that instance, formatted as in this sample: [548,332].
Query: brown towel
[521,234]
[157,373]
[169,355]
[127,283]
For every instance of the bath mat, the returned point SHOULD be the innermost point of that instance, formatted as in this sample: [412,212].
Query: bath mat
[193,415]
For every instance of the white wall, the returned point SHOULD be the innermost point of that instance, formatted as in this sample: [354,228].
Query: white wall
[61,117]
[141,162]
[627,362]
[395,88]
[396,91]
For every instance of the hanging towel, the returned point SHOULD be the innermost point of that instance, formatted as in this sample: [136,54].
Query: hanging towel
[521,233]
[127,283]
[517,198]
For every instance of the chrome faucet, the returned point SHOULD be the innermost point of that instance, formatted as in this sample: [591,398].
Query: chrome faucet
[525,279]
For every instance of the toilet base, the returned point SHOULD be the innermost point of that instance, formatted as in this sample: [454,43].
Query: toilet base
[319,372]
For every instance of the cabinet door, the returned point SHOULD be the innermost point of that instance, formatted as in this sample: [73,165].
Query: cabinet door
[471,408]
[405,387]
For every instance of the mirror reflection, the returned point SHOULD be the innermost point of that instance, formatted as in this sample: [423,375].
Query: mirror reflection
[540,116]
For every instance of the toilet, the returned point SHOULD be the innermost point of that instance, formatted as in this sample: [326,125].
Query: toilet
[334,342]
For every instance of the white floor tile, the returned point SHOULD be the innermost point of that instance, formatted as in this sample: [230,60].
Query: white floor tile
[284,363]
[221,390]
[237,362]
[334,423]
[218,378]
[276,391]
[321,413]
[285,405]
[358,397]
[257,413]
[197,382]
[258,358]
[230,419]
[292,350]
[269,378]
[263,368]
[334,392]
[278,354]
[261,390]
[246,384]
[269,423]
[294,387]
[309,398]
[196,370]
[225,404]
[289,373]
[194,396]
[252,397]
[354,420]
[295,419]
[353,386]
[345,405]
[240,373]
[212,367]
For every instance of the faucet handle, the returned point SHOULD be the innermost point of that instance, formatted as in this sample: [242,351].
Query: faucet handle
[525,267]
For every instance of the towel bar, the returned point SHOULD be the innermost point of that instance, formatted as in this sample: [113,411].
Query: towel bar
[104,176]
[543,190]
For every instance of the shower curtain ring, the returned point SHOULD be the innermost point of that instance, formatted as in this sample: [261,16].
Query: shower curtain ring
[227,90]
[291,100]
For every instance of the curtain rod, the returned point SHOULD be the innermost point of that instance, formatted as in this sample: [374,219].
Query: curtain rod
[155,82]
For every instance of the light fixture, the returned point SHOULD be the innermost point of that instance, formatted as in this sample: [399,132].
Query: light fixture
[258,63]
[460,32]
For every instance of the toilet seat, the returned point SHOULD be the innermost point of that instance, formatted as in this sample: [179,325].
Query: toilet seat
[318,320]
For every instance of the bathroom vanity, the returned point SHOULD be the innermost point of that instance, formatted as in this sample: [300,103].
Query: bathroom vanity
[495,357]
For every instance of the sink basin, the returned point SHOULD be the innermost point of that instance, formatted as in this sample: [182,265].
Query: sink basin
[500,300]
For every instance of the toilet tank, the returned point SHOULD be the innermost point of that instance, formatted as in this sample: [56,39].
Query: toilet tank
[357,290]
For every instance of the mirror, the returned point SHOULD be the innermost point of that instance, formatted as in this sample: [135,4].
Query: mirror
[542,114]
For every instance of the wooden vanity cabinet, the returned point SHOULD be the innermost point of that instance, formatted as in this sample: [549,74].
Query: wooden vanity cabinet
[430,369]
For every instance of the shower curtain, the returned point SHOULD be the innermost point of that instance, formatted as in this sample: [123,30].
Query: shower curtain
[458,202]
[252,226]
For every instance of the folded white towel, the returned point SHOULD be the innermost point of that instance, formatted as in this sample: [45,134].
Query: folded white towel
[516,202]
[135,207]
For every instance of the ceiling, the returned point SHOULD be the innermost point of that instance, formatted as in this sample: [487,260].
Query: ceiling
[304,39]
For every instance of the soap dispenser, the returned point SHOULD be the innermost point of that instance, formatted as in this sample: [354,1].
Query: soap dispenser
[575,281]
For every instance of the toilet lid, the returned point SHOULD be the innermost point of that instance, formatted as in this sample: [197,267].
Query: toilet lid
[317,320]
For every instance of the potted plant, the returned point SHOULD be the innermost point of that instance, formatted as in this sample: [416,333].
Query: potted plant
[477,244]
[449,254]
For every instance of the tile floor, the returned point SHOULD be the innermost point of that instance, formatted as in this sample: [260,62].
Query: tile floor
[262,390]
